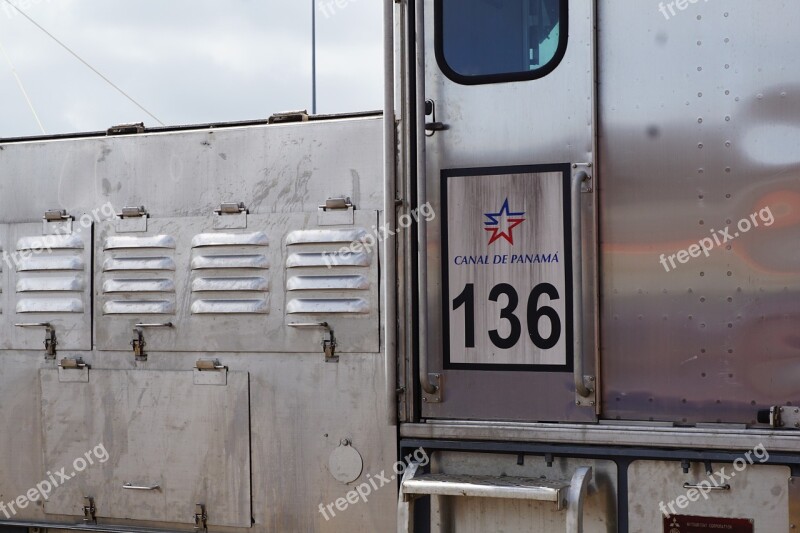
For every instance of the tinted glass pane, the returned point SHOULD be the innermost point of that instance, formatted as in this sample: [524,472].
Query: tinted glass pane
[491,37]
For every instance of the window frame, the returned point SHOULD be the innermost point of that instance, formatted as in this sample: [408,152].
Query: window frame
[563,41]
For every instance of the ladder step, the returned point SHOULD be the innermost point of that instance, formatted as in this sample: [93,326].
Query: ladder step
[515,488]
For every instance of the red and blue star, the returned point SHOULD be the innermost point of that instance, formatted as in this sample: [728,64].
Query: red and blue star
[501,224]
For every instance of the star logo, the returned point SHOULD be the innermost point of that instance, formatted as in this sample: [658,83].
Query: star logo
[501,224]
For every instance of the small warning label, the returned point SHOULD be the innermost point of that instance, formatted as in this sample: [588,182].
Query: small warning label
[707,524]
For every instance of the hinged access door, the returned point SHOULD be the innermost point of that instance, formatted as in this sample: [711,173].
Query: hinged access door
[148,445]
[48,283]
[506,144]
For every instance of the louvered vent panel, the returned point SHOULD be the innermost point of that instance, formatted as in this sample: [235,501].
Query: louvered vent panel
[51,274]
[230,274]
[139,275]
[326,274]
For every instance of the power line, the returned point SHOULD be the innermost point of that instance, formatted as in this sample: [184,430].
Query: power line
[22,88]
[90,67]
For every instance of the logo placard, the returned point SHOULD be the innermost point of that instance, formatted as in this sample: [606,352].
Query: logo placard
[507,268]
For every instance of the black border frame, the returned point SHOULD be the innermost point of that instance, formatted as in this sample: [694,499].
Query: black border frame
[561,51]
[566,171]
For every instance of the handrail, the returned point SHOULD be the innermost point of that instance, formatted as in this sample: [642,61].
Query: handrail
[389,215]
[422,199]
[577,284]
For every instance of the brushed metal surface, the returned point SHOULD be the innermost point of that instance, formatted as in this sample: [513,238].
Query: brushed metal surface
[48,279]
[759,493]
[212,284]
[545,121]
[199,452]
[699,128]
[301,406]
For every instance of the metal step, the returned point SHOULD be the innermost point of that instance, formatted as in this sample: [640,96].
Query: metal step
[513,488]
[569,495]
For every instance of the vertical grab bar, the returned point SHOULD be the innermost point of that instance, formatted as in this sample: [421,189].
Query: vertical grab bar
[389,214]
[422,199]
[577,283]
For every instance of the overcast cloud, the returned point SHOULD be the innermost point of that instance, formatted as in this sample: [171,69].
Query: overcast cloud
[186,61]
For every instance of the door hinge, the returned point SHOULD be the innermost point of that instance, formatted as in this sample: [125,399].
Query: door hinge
[336,211]
[200,518]
[210,372]
[780,416]
[89,510]
[132,219]
[230,215]
[289,116]
[56,222]
[126,129]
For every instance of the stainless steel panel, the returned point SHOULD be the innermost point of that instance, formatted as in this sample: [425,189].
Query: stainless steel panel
[272,169]
[49,284]
[540,122]
[198,453]
[302,407]
[699,129]
[759,493]
[210,283]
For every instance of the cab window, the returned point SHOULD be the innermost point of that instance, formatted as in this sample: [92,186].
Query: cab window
[490,41]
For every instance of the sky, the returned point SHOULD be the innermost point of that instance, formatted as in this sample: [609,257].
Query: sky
[185,61]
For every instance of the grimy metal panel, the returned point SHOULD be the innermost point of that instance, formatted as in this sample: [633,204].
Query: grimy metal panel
[757,493]
[238,289]
[181,443]
[699,135]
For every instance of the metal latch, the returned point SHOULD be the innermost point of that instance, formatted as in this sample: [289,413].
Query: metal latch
[126,129]
[341,202]
[138,343]
[50,341]
[328,345]
[89,510]
[432,127]
[200,517]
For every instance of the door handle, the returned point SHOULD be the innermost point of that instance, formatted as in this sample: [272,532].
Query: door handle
[131,486]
